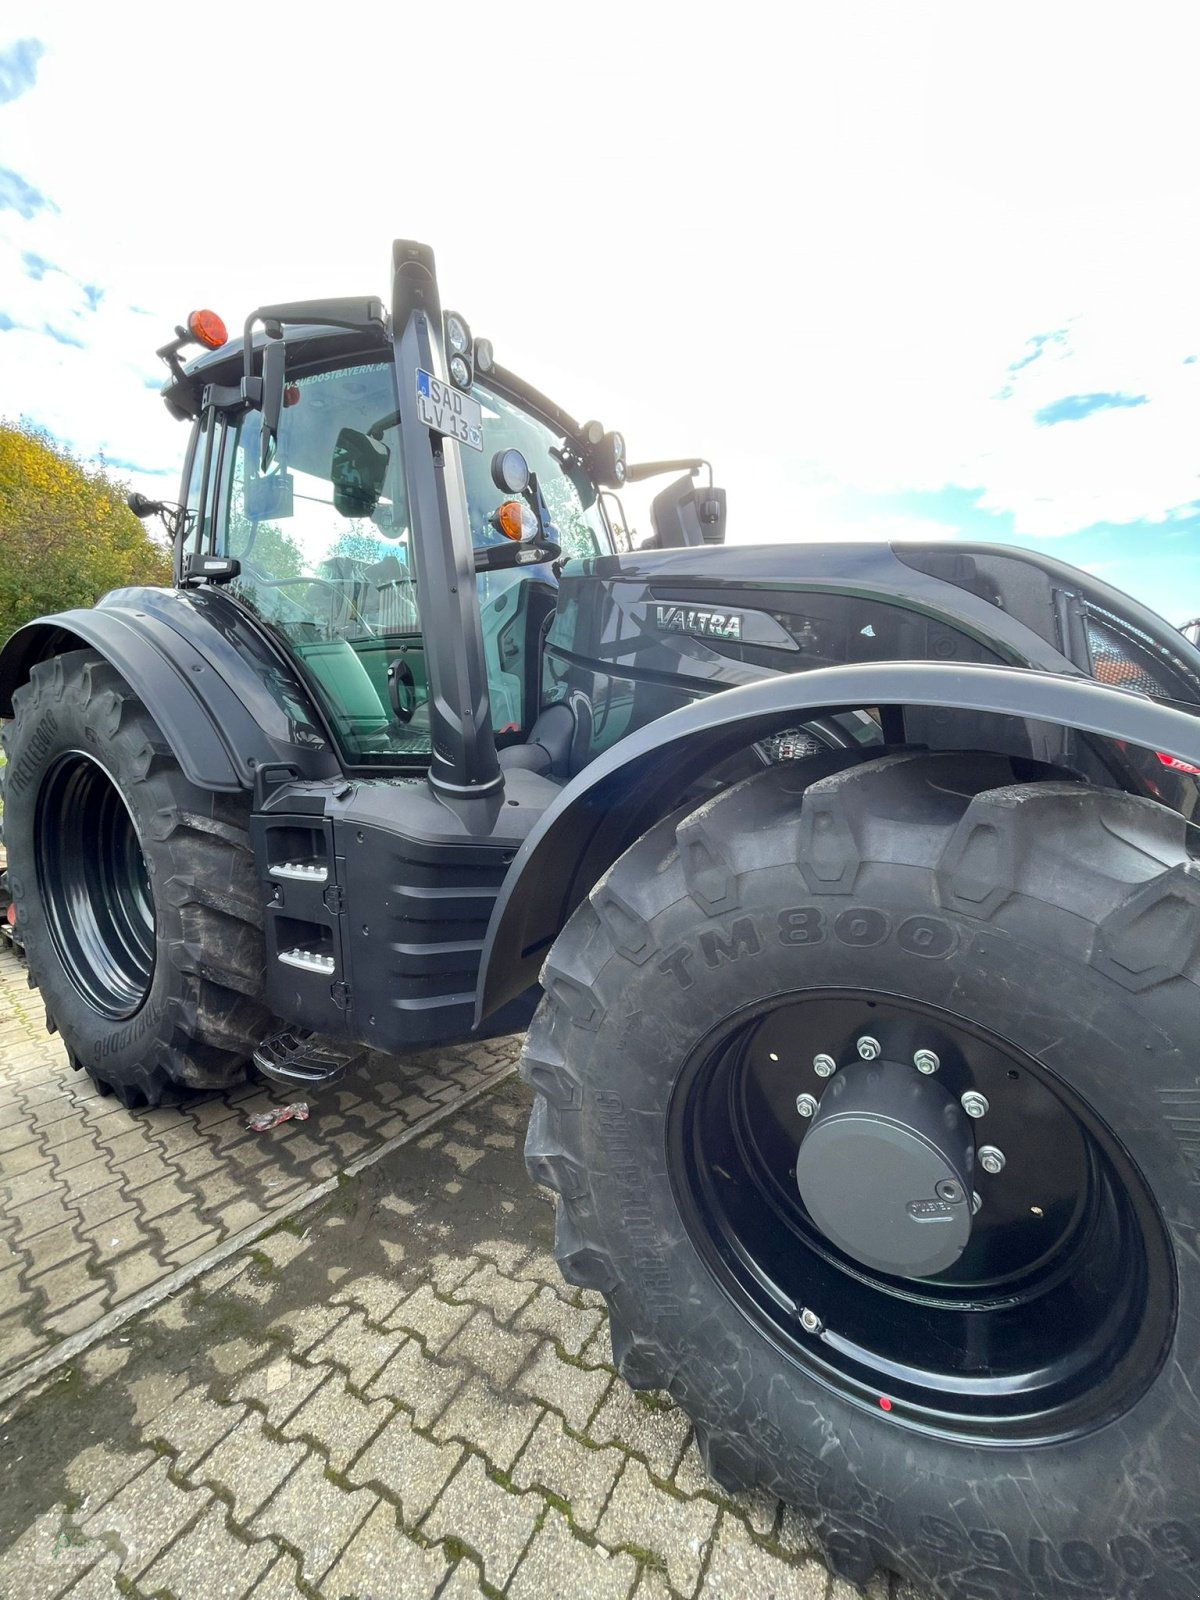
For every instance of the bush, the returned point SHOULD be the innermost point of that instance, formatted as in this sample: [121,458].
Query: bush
[66,534]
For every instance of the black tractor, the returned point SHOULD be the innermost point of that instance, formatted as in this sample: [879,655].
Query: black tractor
[847,893]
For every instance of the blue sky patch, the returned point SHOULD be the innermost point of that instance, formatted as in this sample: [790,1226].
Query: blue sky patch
[6,322]
[36,267]
[120,464]
[1074,407]
[19,195]
[18,68]
[1035,345]
[60,337]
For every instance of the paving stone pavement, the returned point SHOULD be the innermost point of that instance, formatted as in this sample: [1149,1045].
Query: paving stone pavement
[390,1395]
[98,1203]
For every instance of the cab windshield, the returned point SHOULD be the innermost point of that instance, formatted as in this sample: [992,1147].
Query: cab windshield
[323,539]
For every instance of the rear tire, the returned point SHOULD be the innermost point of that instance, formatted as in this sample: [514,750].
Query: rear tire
[1054,925]
[135,891]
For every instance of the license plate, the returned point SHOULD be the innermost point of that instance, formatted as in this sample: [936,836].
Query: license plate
[448,410]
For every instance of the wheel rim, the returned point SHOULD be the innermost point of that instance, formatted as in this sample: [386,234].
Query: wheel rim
[1059,1311]
[94,886]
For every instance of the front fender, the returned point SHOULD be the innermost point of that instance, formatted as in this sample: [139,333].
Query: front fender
[224,704]
[618,796]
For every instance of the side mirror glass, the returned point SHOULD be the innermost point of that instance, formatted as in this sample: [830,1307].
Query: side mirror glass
[357,472]
[685,514]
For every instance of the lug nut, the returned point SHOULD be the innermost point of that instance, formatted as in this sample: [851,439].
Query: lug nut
[974,1103]
[925,1061]
[868,1048]
[811,1322]
[991,1159]
[824,1066]
[805,1105]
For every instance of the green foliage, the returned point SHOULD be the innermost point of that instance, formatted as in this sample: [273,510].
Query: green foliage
[66,534]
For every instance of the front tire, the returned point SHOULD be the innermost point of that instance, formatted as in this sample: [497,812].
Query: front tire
[135,891]
[1023,1421]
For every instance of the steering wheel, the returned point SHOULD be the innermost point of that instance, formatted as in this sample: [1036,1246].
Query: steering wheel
[402,690]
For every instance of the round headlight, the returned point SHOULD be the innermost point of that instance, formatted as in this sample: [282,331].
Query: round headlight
[460,372]
[457,334]
[485,360]
[618,447]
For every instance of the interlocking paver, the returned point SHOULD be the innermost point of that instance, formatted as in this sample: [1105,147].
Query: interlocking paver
[641,1422]
[740,1567]
[411,1469]
[418,1382]
[399,1388]
[100,1582]
[308,1325]
[68,1282]
[580,1475]
[560,1566]
[497,1425]
[569,1326]
[101,1205]
[193,1424]
[314,1516]
[503,1296]
[380,1560]
[208,1563]
[145,1516]
[494,1522]
[47,1558]
[280,1583]
[433,1319]
[491,1349]
[249,1466]
[280,1386]
[54,1245]
[378,1297]
[648,1518]
[337,1421]
[575,1391]
[359,1348]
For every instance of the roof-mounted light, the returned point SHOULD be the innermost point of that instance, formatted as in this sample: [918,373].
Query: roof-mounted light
[207,329]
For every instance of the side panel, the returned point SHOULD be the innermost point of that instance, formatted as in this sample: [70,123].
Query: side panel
[226,703]
[377,899]
[627,788]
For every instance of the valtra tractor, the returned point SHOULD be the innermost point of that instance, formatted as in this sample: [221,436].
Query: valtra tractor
[847,893]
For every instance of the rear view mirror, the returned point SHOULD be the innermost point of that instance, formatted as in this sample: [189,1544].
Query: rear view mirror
[684,513]
[357,472]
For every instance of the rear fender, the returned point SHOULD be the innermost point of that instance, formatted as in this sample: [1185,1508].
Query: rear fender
[226,703]
[627,789]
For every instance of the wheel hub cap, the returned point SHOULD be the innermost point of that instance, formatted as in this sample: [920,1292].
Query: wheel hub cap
[885,1169]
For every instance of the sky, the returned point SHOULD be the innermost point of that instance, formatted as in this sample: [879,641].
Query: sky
[899,270]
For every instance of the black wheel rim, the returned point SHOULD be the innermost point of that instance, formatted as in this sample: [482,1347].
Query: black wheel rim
[94,886]
[1057,1316]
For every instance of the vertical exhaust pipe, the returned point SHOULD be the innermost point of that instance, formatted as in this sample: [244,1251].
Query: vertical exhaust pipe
[464,762]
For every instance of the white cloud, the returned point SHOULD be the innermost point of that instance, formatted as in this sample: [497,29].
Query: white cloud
[808,243]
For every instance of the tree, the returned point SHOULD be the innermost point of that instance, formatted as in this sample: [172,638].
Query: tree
[66,534]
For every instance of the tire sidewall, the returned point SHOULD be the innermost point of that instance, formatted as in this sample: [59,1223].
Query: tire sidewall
[52,727]
[1092,1536]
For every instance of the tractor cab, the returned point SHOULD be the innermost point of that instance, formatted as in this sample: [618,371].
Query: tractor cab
[312,530]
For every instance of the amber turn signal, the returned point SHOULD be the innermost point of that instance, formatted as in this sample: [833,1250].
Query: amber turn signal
[207,328]
[513,520]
